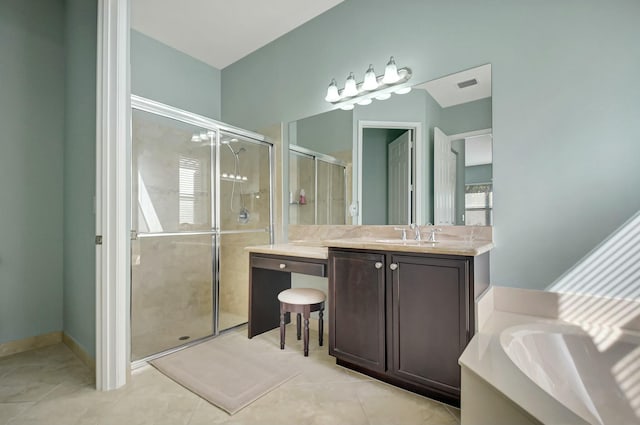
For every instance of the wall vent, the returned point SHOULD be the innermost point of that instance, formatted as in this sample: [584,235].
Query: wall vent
[468,83]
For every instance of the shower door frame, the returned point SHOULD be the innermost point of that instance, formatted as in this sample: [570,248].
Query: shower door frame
[160,109]
[321,157]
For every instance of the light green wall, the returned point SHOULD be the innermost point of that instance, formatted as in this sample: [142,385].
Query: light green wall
[31,167]
[478,174]
[327,133]
[79,172]
[565,104]
[163,74]
[374,176]
[466,117]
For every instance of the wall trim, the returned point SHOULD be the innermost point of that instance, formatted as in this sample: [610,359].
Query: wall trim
[31,343]
[419,186]
[112,203]
[79,351]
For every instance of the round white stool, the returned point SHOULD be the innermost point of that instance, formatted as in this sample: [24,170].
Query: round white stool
[302,301]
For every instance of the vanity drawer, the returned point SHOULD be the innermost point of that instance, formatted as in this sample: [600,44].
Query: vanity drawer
[290,265]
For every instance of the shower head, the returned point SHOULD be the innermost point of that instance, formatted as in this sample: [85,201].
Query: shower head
[234,152]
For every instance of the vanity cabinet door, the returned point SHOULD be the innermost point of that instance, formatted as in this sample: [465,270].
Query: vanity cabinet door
[357,308]
[429,320]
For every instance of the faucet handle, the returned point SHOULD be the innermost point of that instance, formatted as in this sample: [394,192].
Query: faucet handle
[404,232]
[432,234]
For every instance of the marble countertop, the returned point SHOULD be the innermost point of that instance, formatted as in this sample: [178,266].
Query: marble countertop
[450,247]
[292,250]
[318,248]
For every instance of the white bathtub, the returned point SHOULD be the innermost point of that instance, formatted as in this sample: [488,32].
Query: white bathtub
[598,382]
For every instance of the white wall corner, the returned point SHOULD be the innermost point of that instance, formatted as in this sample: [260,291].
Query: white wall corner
[112,204]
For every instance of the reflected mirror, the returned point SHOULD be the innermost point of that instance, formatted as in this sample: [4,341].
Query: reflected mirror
[422,157]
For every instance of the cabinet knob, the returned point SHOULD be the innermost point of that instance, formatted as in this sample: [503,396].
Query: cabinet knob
[393,266]
[378,265]
[282,265]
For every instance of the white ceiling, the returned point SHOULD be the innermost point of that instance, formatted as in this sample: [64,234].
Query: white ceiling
[446,92]
[219,32]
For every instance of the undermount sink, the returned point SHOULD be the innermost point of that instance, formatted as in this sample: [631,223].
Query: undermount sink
[401,242]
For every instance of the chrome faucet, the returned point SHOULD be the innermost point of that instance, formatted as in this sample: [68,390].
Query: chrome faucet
[432,234]
[404,233]
[416,229]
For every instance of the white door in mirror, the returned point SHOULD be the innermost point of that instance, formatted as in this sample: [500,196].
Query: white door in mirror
[444,179]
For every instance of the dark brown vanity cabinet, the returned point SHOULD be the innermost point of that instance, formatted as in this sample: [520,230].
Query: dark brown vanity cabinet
[361,304]
[404,318]
[430,320]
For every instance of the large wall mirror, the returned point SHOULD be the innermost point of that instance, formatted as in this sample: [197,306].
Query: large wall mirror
[421,157]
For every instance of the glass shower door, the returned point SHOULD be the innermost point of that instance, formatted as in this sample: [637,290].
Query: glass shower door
[302,179]
[172,264]
[245,219]
[330,193]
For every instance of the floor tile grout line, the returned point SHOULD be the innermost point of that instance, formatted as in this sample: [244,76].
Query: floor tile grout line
[33,404]
[193,411]
[366,415]
[14,417]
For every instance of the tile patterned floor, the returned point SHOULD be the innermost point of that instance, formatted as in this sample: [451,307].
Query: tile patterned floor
[51,386]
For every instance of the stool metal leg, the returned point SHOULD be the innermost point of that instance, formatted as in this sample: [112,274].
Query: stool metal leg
[298,325]
[320,326]
[282,325]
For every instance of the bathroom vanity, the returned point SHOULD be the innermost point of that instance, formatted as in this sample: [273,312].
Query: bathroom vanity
[404,314]
[399,311]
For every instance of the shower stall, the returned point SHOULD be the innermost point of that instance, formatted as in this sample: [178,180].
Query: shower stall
[322,180]
[201,192]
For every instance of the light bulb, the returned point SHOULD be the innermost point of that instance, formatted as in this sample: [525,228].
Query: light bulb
[350,86]
[391,72]
[225,175]
[203,136]
[383,96]
[244,178]
[232,176]
[195,138]
[332,92]
[347,107]
[403,90]
[370,80]
[365,102]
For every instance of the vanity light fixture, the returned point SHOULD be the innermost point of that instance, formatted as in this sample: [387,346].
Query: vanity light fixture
[373,87]
[391,72]
[350,86]
[332,92]
[202,137]
[370,79]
